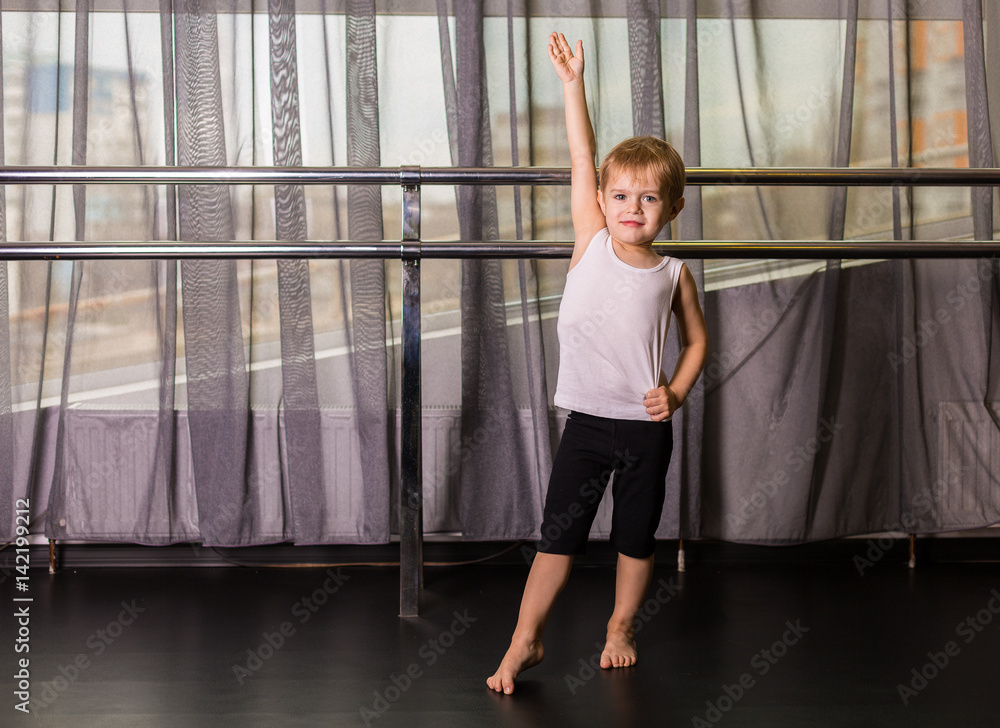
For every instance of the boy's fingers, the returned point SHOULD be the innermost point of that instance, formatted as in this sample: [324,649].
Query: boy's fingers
[579,49]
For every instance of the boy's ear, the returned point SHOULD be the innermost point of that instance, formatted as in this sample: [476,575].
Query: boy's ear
[675,210]
[600,201]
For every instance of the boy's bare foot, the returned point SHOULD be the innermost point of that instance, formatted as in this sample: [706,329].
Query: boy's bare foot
[520,656]
[619,651]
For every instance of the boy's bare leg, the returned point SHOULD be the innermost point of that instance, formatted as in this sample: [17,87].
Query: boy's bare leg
[546,579]
[631,583]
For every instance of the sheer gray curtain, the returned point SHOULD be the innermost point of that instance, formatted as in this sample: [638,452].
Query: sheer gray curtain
[210,420]
[241,403]
[860,399]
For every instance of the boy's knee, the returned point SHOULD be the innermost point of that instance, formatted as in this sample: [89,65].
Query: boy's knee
[634,549]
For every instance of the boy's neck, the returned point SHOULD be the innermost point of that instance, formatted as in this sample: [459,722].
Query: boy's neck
[637,255]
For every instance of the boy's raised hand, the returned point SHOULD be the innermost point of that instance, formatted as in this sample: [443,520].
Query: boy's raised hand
[588,218]
[569,67]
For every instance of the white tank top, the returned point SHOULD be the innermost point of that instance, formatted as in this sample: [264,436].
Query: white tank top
[613,322]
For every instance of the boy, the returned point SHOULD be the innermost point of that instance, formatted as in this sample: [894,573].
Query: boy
[613,322]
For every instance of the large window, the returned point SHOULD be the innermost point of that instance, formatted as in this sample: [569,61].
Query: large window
[770,95]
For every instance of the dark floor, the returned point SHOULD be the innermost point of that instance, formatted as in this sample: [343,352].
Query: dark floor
[737,644]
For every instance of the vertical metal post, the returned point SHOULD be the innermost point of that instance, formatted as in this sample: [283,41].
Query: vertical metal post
[411,497]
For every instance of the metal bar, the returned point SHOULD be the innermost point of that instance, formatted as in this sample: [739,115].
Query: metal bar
[200,175]
[876,249]
[411,495]
[159,250]
[851,176]
[794,249]
[814,176]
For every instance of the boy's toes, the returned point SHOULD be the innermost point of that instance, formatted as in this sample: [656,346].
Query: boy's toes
[501,683]
[619,651]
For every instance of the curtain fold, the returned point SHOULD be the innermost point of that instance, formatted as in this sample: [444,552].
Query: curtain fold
[529,288]
[495,503]
[978,116]
[58,522]
[688,451]
[367,277]
[842,152]
[300,396]
[161,516]
[217,381]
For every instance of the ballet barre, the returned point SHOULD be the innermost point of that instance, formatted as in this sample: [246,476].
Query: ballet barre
[410,249]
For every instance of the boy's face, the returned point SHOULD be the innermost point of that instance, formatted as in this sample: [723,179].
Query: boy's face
[636,207]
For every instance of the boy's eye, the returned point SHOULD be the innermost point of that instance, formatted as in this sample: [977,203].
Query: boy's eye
[649,198]
[619,196]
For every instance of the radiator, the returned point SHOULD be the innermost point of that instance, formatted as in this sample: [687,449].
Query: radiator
[967,489]
[109,465]
[110,461]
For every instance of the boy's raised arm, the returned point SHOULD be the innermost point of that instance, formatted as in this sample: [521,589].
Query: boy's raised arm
[587,216]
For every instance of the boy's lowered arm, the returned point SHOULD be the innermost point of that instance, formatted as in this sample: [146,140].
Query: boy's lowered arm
[587,216]
[693,335]
[667,398]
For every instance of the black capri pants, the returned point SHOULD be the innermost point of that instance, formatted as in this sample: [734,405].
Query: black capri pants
[593,448]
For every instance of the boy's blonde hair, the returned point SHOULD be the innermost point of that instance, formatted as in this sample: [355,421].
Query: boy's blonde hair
[646,153]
